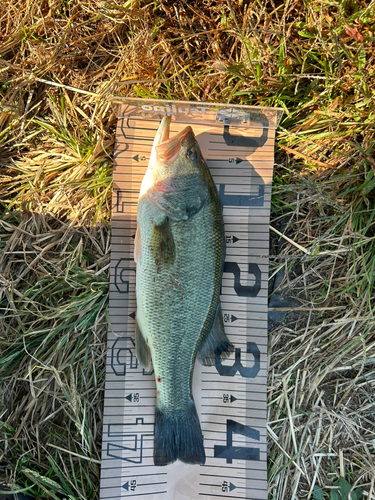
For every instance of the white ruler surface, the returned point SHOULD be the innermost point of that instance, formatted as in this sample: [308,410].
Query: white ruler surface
[237,143]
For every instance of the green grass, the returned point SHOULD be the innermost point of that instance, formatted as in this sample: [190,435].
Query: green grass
[60,65]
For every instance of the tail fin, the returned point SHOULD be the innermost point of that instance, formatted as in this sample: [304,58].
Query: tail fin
[178,435]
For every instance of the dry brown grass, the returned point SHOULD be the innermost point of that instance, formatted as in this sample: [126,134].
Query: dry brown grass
[61,61]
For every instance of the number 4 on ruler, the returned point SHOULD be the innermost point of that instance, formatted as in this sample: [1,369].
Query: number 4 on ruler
[127,440]
[231,452]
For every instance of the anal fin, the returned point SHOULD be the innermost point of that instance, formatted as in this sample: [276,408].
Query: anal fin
[216,342]
[142,350]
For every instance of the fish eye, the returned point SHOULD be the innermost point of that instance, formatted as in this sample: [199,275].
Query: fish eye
[191,153]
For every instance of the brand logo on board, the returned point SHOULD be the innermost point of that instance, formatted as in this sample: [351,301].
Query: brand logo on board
[174,110]
[226,115]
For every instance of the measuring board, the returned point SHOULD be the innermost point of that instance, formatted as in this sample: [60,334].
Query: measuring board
[237,143]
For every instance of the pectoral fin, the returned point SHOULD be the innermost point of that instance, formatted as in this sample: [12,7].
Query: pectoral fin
[216,342]
[142,350]
[162,243]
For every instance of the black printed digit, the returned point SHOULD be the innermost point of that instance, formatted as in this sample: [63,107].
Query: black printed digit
[243,290]
[248,372]
[233,452]
[246,141]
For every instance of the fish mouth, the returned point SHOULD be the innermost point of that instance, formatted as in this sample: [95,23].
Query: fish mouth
[166,148]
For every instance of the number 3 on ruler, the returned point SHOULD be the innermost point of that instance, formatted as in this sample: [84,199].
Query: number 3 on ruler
[248,372]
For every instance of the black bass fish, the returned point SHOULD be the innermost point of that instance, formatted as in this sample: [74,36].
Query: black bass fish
[179,252]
